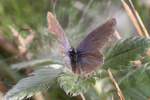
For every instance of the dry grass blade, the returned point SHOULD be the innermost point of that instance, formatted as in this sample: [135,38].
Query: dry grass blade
[23,43]
[119,92]
[19,40]
[82,96]
[139,20]
[135,18]
[18,37]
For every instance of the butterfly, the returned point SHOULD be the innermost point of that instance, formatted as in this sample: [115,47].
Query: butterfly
[87,57]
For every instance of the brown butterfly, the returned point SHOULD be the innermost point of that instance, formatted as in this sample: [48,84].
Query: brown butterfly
[86,58]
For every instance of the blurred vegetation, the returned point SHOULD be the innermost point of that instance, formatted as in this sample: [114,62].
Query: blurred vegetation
[77,17]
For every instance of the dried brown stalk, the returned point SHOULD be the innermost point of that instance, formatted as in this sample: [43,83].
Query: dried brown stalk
[82,96]
[139,20]
[23,42]
[119,92]
[135,18]
[19,40]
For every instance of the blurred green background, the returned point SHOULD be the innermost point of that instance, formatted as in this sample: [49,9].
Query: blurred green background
[77,17]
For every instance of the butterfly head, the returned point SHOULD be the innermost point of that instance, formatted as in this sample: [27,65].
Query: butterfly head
[72,53]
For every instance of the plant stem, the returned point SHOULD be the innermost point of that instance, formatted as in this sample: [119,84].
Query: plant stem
[119,92]
[82,96]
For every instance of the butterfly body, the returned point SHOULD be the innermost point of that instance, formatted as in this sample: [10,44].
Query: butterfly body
[80,63]
[73,55]
[87,57]
[75,58]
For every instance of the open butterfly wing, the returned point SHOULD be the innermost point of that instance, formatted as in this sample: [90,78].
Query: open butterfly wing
[89,55]
[55,28]
[98,37]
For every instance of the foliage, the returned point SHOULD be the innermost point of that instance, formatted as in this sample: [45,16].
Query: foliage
[137,82]
[40,80]
[74,84]
[133,79]
[122,53]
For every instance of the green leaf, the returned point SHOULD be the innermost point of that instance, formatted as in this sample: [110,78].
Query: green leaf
[136,85]
[74,84]
[34,63]
[124,51]
[39,81]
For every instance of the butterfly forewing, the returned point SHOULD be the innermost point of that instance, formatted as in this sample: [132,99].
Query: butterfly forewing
[98,37]
[90,57]
[55,28]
